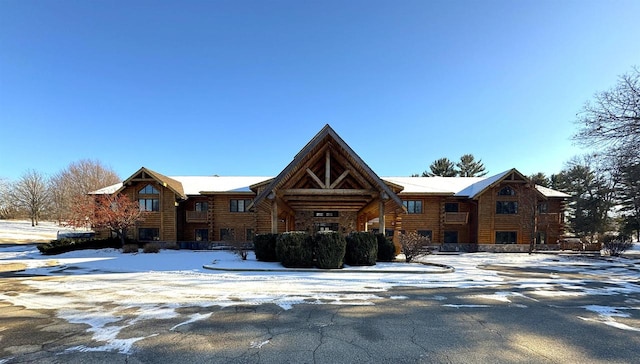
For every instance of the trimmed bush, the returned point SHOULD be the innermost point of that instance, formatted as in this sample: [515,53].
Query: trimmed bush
[66,245]
[362,249]
[171,246]
[295,249]
[265,247]
[130,248]
[151,248]
[330,249]
[386,249]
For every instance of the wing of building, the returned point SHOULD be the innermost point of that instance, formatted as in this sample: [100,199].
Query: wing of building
[327,186]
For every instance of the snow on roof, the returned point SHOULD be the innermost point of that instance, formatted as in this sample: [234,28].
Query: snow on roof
[474,189]
[107,190]
[548,192]
[194,185]
[456,186]
[433,185]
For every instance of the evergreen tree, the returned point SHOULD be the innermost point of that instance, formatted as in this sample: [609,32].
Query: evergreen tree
[442,167]
[469,167]
[540,179]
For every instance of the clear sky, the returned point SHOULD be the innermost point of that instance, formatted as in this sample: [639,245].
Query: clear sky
[239,87]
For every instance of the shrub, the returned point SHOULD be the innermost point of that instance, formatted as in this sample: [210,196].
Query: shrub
[172,246]
[411,244]
[66,245]
[362,249]
[151,248]
[615,246]
[130,248]
[265,247]
[295,249]
[329,250]
[386,249]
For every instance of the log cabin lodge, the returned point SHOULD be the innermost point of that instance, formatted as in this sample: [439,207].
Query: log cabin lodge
[328,186]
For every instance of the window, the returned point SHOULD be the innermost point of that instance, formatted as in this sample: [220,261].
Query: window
[327,226]
[325,213]
[506,237]
[541,237]
[426,234]
[250,234]
[543,208]
[451,207]
[227,234]
[450,237]
[202,206]
[149,204]
[148,234]
[148,190]
[413,206]
[506,207]
[239,205]
[202,234]
[507,191]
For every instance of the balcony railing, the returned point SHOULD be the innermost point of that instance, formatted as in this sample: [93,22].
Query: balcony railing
[456,218]
[196,216]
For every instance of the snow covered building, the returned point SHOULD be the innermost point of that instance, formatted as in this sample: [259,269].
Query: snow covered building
[328,186]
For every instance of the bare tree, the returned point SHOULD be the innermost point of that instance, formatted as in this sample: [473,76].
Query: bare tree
[7,206]
[116,212]
[31,195]
[612,120]
[78,179]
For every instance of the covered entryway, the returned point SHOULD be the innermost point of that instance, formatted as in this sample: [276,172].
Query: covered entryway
[327,187]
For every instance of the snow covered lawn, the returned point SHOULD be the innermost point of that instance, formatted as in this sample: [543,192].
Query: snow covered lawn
[110,291]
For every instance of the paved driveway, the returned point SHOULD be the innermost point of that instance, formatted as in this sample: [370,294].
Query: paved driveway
[503,323]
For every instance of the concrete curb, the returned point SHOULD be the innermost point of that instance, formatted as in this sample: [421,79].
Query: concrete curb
[443,269]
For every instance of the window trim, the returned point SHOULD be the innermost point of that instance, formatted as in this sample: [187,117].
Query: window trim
[154,190]
[506,207]
[515,237]
[155,204]
[245,202]
[416,204]
[457,206]
[507,191]
[195,234]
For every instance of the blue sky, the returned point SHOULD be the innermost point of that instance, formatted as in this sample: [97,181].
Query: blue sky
[239,87]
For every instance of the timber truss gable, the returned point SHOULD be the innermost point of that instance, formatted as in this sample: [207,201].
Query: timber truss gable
[327,175]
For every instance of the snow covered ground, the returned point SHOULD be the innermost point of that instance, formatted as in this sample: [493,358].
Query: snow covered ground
[110,291]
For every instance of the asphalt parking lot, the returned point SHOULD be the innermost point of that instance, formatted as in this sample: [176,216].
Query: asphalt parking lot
[404,325]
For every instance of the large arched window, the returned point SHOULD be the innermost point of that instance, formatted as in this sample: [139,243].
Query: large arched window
[507,191]
[148,203]
[148,190]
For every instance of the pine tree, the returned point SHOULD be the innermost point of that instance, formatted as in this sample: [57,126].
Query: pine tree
[442,167]
[469,167]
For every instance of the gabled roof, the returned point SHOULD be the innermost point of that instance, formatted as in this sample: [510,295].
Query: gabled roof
[469,187]
[327,132]
[165,181]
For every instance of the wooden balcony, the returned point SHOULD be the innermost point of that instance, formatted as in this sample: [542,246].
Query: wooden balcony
[196,216]
[460,218]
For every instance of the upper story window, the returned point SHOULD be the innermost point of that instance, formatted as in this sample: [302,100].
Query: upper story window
[239,205]
[543,207]
[148,190]
[507,191]
[413,206]
[202,206]
[506,207]
[325,213]
[149,204]
[451,207]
